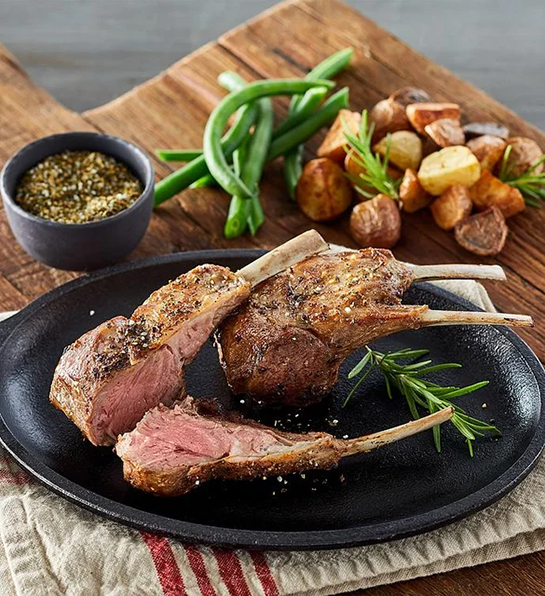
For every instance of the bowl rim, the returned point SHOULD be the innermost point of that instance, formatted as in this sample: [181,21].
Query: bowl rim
[148,182]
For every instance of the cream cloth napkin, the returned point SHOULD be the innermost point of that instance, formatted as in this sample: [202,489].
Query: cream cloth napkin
[50,547]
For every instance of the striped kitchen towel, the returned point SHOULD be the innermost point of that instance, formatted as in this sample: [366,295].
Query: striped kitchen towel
[51,547]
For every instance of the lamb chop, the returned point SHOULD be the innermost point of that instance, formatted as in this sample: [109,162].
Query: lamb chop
[286,344]
[108,378]
[173,450]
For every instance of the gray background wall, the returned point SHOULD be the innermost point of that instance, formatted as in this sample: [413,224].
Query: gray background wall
[86,52]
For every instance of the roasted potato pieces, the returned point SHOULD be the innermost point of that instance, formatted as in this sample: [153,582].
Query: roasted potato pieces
[408,95]
[323,191]
[422,114]
[445,132]
[411,194]
[490,191]
[479,129]
[376,222]
[524,154]
[453,206]
[333,146]
[483,234]
[452,165]
[488,149]
[405,149]
[388,116]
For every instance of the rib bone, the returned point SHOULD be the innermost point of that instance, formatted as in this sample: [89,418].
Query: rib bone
[277,260]
[429,272]
[391,435]
[452,317]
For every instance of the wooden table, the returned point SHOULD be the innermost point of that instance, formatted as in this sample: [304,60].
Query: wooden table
[171,110]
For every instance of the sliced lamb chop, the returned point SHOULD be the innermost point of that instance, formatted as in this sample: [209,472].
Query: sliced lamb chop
[171,451]
[286,344]
[106,380]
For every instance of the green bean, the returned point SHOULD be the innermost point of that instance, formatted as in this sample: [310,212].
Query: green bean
[249,211]
[293,160]
[309,102]
[182,178]
[328,68]
[293,168]
[239,209]
[212,148]
[231,81]
[309,127]
[203,182]
[178,154]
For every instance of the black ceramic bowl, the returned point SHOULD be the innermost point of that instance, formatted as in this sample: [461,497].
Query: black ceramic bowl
[79,246]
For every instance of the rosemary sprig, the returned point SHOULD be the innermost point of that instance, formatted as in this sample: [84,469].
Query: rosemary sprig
[375,174]
[420,393]
[530,183]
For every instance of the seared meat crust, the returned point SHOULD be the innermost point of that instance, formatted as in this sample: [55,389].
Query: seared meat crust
[286,344]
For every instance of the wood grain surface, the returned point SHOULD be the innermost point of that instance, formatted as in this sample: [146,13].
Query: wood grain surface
[171,110]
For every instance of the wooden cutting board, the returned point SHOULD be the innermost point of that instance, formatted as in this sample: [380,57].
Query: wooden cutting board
[170,111]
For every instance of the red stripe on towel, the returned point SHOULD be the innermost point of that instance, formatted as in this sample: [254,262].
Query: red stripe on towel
[18,477]
[167,569]
[231,572]
[264,574]
[196,561]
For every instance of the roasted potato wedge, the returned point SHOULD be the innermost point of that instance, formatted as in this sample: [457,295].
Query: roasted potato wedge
[483,234]
[445,132]
[408,95]
[388,116]
[333,146]
[452,165]
[411,194]
[405,149]
[490,191]
[422,114]
[323,191]
[488,149]
[479,129]
[524,153]
[353,167]
[453,206]
[376,222]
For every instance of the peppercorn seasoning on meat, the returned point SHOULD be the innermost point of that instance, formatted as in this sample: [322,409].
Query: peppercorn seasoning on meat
[76,187]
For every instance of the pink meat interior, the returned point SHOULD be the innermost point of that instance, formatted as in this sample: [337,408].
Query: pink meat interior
[122,402]
[170,438]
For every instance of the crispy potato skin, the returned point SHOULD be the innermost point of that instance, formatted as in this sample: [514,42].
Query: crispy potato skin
[333,146]
[323,192]
[490,191]
[388,116]
[413,197]
[422,114]
[483,234]
[524,154]
[445,132]
[408,95]
[405,149]
[376,223]
[479,129]
[452,165]
[488,149]
[452,207]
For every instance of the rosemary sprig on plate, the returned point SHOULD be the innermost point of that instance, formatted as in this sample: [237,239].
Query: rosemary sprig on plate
[375,168]
[530,183]
[407,379]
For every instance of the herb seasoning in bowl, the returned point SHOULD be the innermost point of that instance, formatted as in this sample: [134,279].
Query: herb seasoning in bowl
[78,200]
[77,187]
